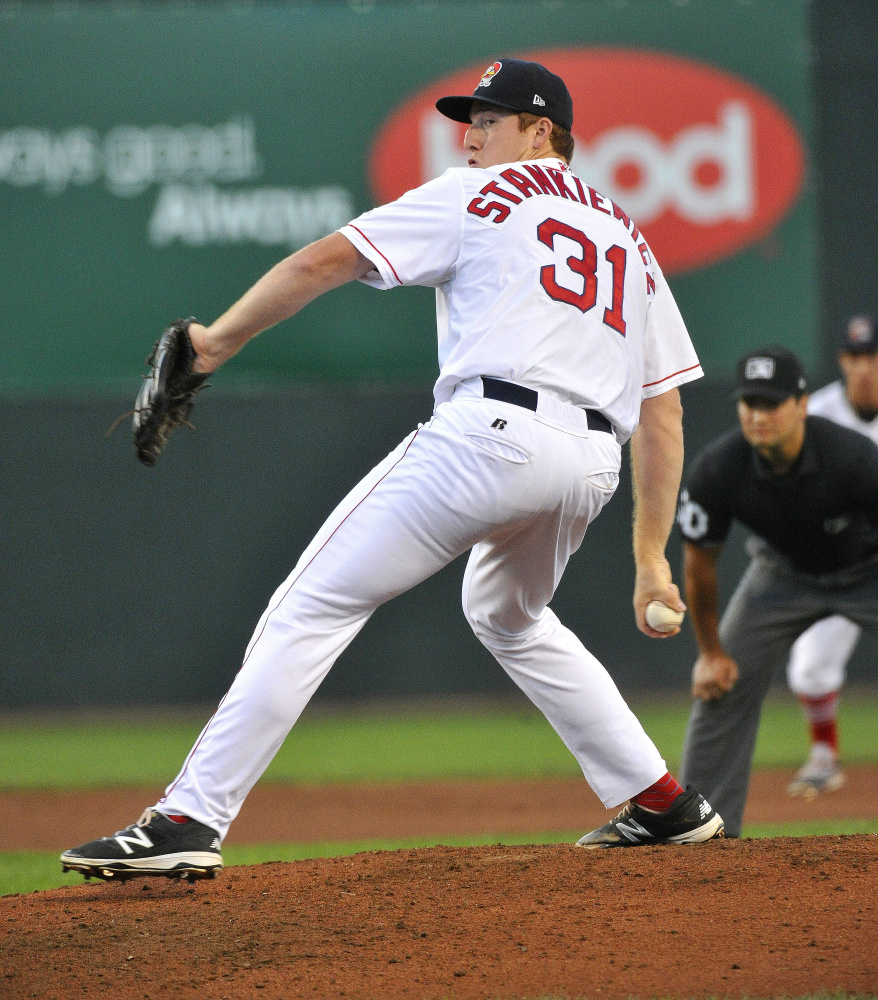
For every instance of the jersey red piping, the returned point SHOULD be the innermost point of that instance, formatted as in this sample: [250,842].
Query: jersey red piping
[265,623]
[371,244]
[665,379]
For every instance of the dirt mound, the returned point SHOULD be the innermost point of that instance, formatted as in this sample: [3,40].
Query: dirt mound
[782,917]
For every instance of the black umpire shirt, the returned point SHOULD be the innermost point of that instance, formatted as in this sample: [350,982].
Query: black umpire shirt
[821,515]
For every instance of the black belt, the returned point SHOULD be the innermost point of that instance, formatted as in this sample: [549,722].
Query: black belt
[520,395]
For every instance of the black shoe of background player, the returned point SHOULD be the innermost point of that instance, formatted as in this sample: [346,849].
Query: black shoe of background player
[154,845]
[690,820]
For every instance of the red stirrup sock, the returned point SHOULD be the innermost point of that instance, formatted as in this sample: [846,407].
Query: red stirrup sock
[821,715]
[659,797]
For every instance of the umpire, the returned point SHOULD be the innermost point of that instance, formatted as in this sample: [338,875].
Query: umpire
[807,489]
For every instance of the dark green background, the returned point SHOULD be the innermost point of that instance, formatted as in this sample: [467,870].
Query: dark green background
[85,291]
[121,584]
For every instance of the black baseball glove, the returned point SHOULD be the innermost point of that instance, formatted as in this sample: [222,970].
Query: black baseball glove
[168,393]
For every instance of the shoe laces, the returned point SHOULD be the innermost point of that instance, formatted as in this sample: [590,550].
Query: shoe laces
[626,811]
[144,819]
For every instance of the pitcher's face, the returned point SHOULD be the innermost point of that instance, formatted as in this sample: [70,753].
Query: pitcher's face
[495,137]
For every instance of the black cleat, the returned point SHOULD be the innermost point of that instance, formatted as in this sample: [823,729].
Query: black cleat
[154,845]
[690,820]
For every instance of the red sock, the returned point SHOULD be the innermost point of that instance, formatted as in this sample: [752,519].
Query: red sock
[660,796]
[821,715]
[179,819]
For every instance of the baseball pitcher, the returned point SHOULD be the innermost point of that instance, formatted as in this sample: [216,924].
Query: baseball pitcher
[558,341]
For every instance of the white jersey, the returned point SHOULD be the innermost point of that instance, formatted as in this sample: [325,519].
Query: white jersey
[831,402]
[539,280]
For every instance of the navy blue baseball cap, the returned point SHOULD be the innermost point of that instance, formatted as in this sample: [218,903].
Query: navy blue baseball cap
[516,85]
[860,336]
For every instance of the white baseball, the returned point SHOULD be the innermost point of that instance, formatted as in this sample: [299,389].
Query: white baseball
[662,618]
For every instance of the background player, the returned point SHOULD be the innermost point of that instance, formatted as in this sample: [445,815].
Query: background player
[808,490]
[816,670]
[557,335]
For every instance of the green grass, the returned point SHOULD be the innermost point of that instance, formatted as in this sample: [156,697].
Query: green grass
[783,737]
[29,871]
[415,745]
[346,747]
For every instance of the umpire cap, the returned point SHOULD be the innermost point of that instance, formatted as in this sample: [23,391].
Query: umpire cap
[517,85]
[770,373]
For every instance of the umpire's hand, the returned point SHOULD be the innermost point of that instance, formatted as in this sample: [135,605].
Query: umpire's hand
[714,675]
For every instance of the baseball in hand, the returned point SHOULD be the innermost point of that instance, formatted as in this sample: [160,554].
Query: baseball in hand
[662,618]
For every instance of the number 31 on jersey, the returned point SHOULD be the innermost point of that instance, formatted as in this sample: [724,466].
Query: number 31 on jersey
[586,266]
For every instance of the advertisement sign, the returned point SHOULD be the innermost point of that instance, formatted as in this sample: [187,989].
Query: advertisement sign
[131,197]
[704,162]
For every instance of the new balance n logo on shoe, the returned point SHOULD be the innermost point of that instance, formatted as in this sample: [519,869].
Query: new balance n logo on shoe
[703,808]
[633,831]
[133,836]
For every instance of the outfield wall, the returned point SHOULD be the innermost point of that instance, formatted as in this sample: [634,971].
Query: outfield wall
[123,584]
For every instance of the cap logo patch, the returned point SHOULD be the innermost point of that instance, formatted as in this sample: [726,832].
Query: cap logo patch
[489,74]
[539,100]
[759,368]
[860,330]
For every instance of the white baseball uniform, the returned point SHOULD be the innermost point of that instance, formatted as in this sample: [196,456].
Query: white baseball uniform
[540,282]
[819,657]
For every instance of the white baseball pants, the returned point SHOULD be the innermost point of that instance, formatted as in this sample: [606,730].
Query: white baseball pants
[819,657]
[517,487]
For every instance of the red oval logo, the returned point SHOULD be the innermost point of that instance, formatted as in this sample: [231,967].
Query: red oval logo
[703,161]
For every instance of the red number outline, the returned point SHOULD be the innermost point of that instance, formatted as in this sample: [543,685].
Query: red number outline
[613,317]
[586,265]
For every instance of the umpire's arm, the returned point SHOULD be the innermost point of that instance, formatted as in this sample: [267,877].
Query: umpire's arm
[656,470]
[715,672]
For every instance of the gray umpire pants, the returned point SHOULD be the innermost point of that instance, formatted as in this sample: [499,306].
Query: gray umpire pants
[771,607]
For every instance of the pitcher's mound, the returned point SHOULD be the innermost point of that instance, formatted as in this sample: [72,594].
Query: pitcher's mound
[765,918]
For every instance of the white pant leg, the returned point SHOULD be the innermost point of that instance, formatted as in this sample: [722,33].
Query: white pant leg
[819,657]
[377,543]
[510,578]
[438,494]
[460,479]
